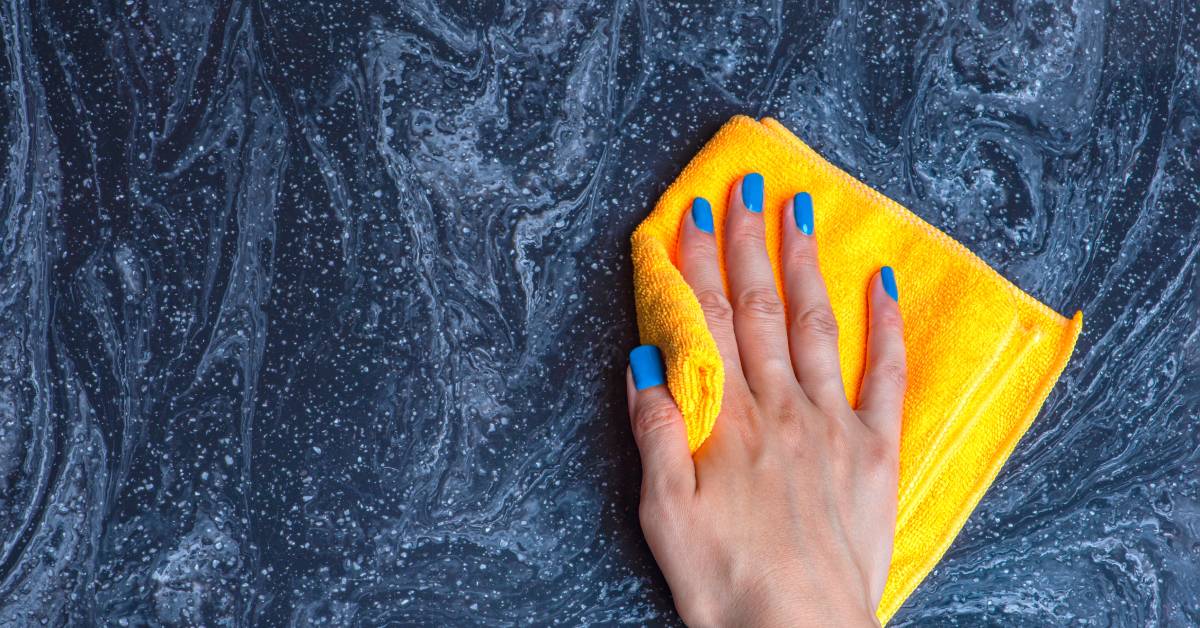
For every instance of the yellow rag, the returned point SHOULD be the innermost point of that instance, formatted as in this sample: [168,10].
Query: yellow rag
[982,354]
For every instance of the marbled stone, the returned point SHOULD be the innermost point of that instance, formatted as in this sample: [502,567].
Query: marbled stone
[316,313]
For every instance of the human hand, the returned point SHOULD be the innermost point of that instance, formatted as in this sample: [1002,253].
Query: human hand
[785,515]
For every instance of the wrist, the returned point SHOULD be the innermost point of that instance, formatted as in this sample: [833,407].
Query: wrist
[787,602]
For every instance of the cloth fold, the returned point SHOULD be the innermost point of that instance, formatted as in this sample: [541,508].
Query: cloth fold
[982,354]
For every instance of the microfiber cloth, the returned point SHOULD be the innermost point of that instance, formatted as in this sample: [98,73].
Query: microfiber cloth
[982,354]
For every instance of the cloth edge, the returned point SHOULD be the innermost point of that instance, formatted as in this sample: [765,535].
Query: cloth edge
[1068,338]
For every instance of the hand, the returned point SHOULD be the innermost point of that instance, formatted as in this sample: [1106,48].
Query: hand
[785,515]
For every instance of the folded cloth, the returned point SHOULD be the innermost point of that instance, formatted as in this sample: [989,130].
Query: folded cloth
[982,354]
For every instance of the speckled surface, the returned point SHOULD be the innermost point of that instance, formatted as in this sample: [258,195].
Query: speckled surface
[316,313]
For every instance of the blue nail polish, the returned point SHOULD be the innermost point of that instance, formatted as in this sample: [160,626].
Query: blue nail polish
[888,276]
[752,192]
[647,365]
[702,215]
[802,212]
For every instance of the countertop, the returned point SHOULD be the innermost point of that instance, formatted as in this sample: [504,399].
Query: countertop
[317,313]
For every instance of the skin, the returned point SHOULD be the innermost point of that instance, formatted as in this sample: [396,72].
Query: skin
[785,516]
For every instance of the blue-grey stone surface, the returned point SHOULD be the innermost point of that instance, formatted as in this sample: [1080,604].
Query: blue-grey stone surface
[316,312]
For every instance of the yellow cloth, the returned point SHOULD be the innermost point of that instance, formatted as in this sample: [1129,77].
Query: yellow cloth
[982,354]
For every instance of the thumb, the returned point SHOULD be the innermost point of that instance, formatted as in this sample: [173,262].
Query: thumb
[657,425]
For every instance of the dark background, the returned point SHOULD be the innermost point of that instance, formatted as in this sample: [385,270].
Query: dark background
[317,312]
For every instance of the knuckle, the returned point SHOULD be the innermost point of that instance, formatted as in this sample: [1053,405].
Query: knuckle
[894,372]
[804,255]
[699,251]
[654,419]
[715,306]
[890,319]
[748,234]
[836,437]
[661,493]
[779,370]
[815,322]
[881,457]
[760,300]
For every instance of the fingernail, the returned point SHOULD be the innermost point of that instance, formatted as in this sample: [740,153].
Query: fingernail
[802,212]
[702,215]
[752,192]
[647,365]
[888,276]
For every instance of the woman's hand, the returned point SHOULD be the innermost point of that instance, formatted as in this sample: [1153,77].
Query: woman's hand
[785,515]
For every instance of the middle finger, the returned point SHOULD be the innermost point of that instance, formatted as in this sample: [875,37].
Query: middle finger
[758,313]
